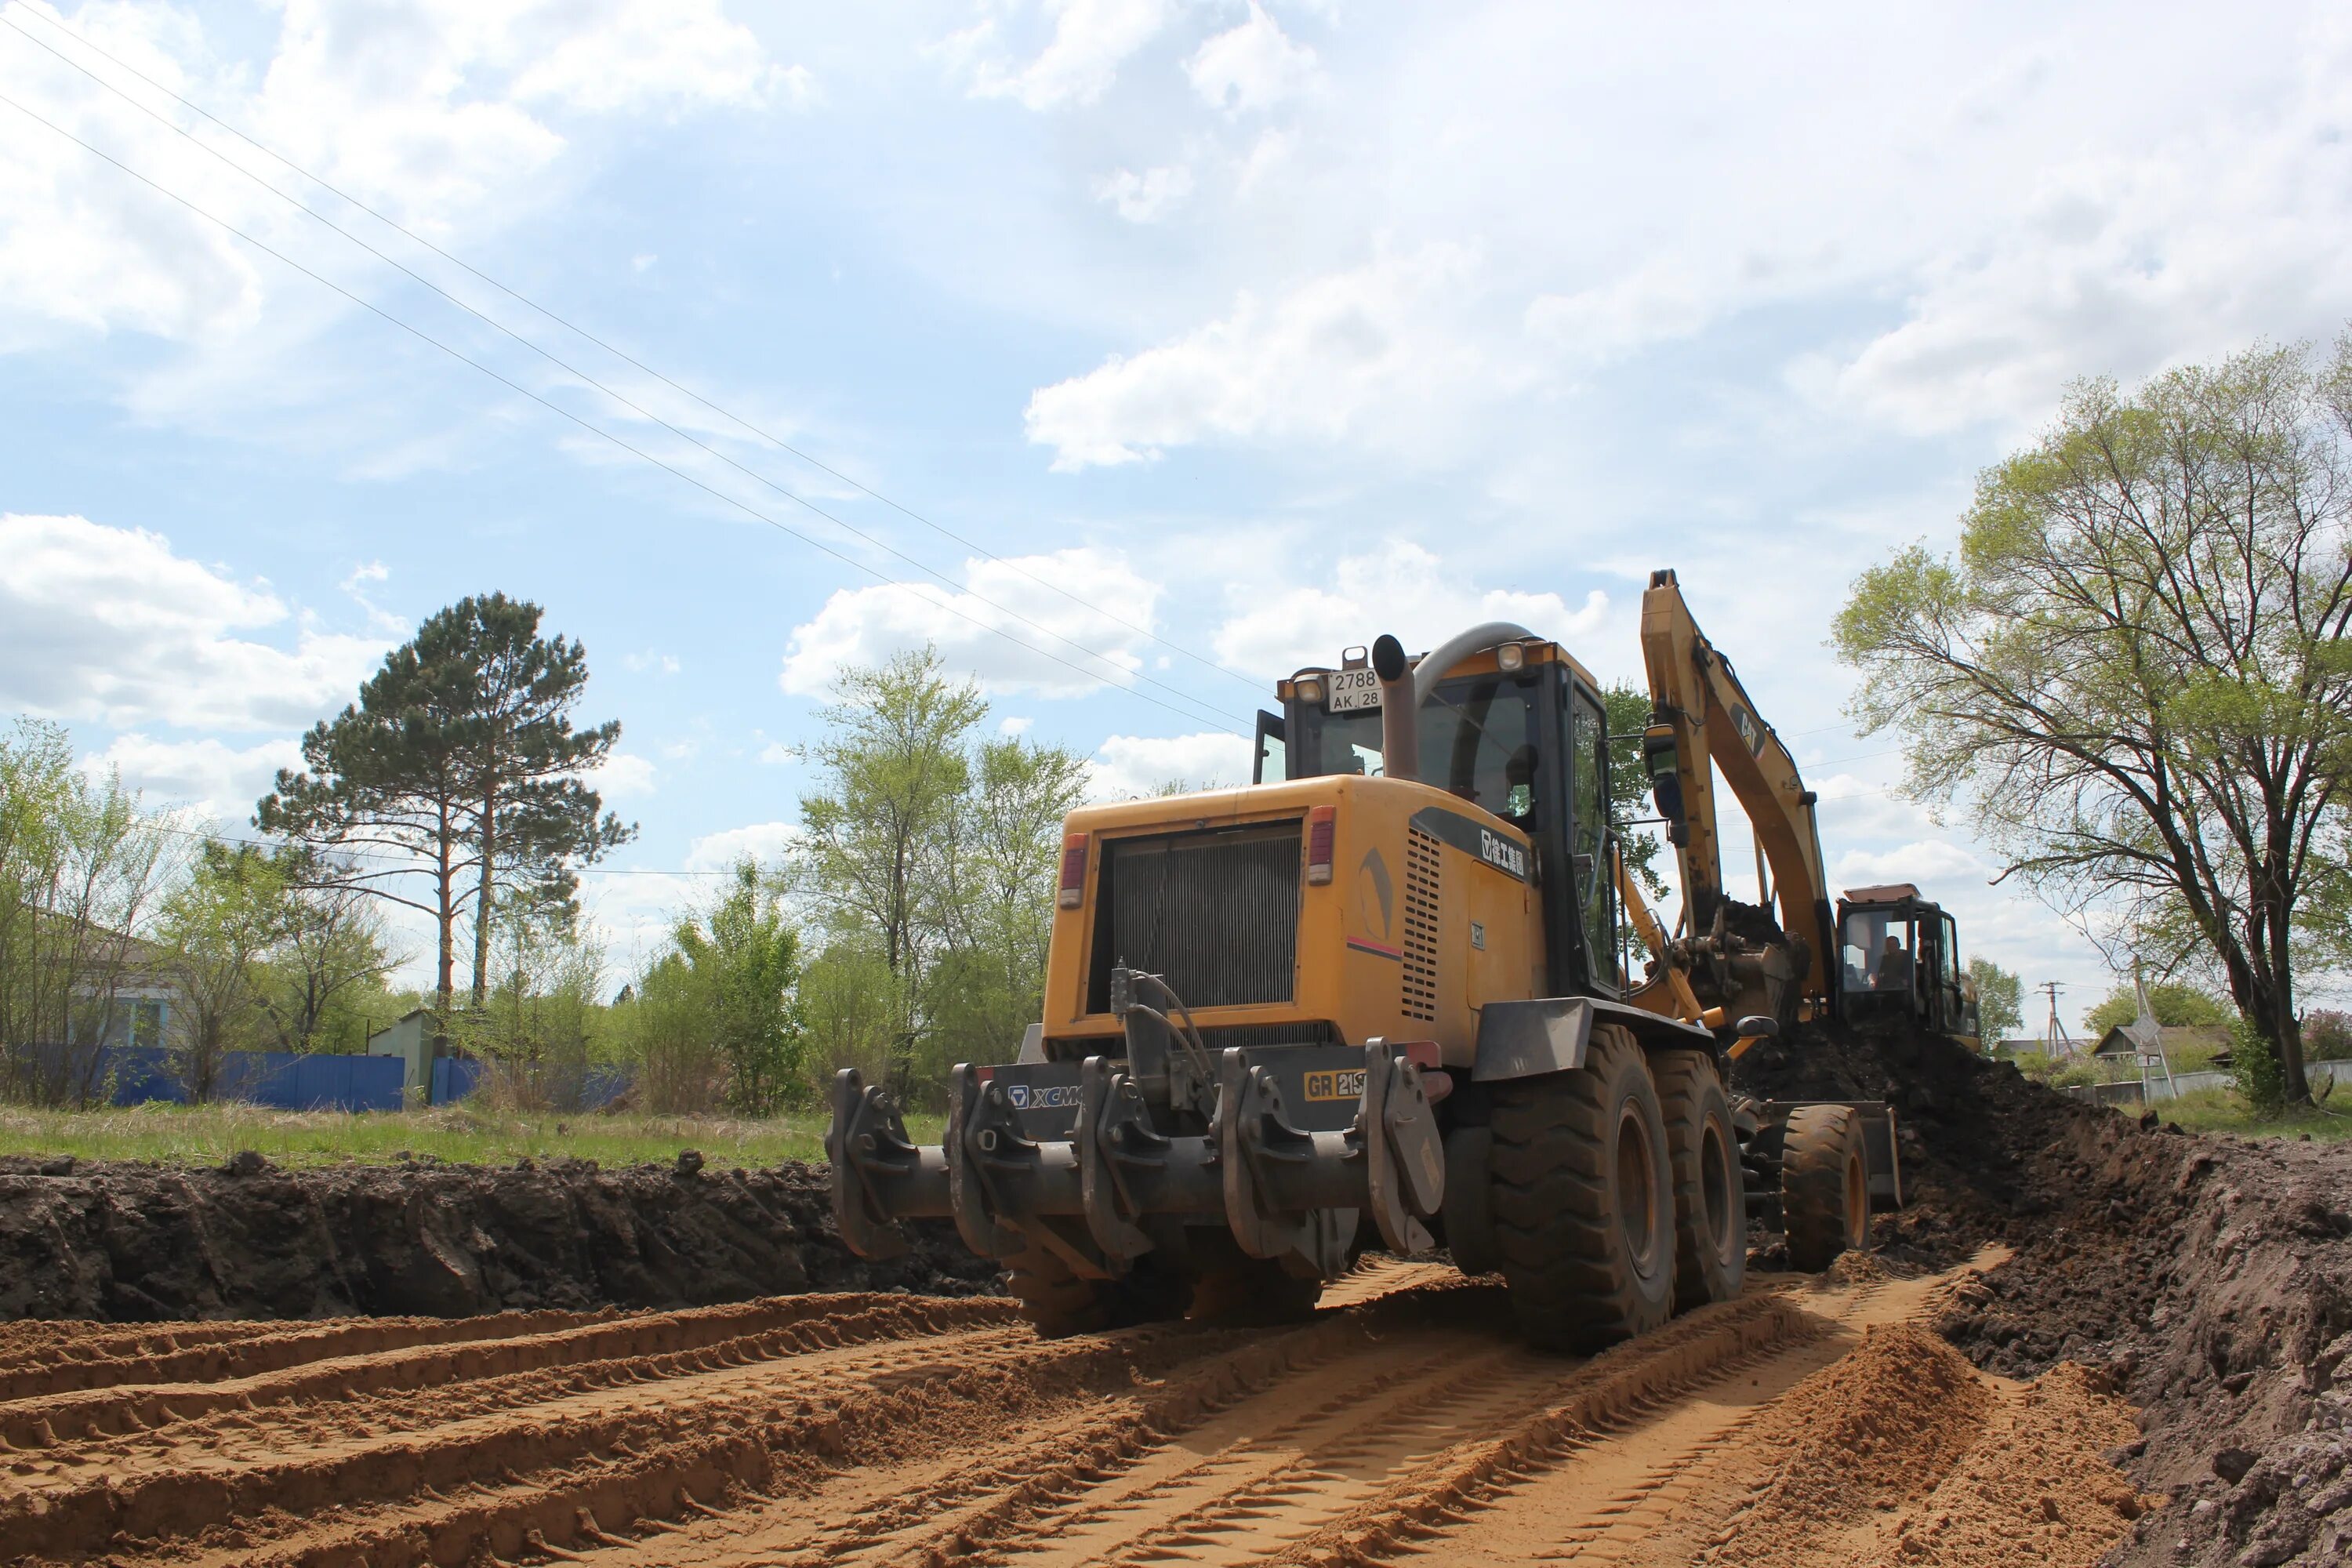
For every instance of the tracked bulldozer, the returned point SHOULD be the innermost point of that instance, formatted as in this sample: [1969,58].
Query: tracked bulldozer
[1386,997]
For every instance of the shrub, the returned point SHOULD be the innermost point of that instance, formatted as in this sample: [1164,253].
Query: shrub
[2253,1062]
[2327,1036]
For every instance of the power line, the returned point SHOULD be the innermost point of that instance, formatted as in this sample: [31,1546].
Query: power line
[581,332]
[1206,710]
[212,836]
[556,408]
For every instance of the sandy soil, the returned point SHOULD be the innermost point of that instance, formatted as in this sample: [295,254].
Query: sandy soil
[1807,1422]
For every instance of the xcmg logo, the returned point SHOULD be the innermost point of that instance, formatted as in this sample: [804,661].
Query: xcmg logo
[1502,854]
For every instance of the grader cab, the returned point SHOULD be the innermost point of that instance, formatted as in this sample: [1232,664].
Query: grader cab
[1387,999]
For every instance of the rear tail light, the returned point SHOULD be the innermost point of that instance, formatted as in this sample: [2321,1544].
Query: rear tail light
[1074,871]
[1322,826]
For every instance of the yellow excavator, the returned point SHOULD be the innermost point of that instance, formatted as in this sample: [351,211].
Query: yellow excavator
[1385,997]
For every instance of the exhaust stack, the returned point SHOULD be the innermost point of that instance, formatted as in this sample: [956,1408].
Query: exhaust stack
[1399,711]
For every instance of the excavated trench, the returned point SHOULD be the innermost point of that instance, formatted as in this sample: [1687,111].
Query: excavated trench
[668,1366]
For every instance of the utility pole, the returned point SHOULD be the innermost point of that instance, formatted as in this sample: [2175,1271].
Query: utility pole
[2053,1035]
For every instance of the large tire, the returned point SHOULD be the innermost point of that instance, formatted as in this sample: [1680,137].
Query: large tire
[1710,1197]
[1060,1303]
[1824,1185]
[1582,1200]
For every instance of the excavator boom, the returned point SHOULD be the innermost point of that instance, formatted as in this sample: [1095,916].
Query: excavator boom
[1703,716]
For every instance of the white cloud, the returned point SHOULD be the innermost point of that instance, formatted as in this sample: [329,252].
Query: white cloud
[865,626]
[214,781]
[1014,724]
[1399,587]
[1375,351]
[1146,198]
[1254,67]
[1661,301]
[777,754]
[651,661]
[1931,863]
[445,114]
[1092,38]
[1128,766]
[107,623]
[623,775]
[762,841]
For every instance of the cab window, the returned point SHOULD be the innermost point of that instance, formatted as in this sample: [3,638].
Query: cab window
[1589,832]
[1478,739]
[1877,952]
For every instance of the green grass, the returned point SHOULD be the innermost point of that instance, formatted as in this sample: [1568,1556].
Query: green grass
[458,1134]
[2224,1110]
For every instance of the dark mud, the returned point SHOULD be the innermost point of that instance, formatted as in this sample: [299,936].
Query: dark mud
[2208,1280]
[1986,1154]
[2212,1279]
[138,1243]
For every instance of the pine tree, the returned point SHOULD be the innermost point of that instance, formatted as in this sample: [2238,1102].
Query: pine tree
[459,765]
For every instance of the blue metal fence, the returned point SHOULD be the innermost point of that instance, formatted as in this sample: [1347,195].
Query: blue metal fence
[286,1080]
[591,1089]
[293,1082]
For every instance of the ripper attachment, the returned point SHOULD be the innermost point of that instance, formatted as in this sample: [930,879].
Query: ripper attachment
[1092,1161]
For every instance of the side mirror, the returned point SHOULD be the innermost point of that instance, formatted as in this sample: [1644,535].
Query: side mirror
[1758,1025]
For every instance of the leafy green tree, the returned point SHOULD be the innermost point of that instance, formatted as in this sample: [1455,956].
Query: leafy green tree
[2136,675]
[996,870]
[82,867]
[742,956]
[1628,711]
[458,765]
[2177,1005]
[323,984]
[892,770]
[221,923]
[2001,999]
[533,816]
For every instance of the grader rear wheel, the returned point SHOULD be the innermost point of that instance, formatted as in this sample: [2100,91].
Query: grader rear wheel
[1710,1197]
[1824,1185]
[1582,1199]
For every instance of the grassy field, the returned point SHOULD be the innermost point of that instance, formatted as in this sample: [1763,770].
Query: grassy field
[2222,1110]
[459,1135]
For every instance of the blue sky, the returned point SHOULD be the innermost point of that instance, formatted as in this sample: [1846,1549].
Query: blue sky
[1265,328]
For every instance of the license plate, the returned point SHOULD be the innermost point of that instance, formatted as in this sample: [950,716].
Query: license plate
[1352,690]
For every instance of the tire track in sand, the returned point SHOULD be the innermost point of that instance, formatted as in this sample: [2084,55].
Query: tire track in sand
[865,1430]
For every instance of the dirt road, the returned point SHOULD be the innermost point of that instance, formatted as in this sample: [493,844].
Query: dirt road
[1800,1424]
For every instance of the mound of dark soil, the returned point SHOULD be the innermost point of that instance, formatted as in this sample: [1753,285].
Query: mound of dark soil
[2212,1279]
[2207,1279]
[129,1242]
[1986,1154]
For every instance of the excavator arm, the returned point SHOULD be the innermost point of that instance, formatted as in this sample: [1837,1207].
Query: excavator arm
[1702,716]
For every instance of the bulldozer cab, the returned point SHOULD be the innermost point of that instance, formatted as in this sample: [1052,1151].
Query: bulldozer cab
[1518,730]
[1900,964]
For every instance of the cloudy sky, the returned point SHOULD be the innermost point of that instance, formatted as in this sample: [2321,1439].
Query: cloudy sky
[1182,340]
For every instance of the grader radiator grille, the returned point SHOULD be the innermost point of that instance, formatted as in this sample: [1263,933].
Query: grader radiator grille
[1420,888]
[1216,912]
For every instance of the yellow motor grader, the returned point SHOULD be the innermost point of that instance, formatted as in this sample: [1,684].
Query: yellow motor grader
[1384,997]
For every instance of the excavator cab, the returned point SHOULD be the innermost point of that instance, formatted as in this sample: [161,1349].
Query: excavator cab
[1900,964]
